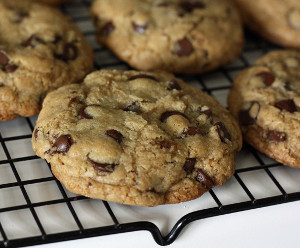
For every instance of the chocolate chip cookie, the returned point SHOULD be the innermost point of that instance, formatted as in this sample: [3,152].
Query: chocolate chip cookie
[179,36]
[266,100]
[52,2]
[136,138]
[40,50]
[275,20]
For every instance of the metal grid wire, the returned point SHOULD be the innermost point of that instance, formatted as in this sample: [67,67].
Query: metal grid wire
[23,176]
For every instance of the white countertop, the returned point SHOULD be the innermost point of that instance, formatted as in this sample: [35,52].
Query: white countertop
[275,226]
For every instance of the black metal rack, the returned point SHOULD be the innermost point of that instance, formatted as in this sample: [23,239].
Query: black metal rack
[11,163]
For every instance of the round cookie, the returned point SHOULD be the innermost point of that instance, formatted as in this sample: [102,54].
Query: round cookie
[40,50]
[266,100]
[275,20]
[174,35]
[52,2]
[136,138]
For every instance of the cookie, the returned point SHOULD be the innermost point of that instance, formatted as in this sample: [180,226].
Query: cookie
[275,20]
[52,2]
[174,35]
[266,100]
[40,50]
[136,138]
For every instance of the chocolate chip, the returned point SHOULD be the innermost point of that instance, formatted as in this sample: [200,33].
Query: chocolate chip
[115,135]
[142,76]
[184,48]
[287,105]
[208,112]
[63,143]
[90,185]
[190,131]
[167,114]
[57,38]
[141,29]
[28,42]
[204,179]
[288,86]
[10,68]
[276,136]
[163,144]
[189,6]
[3,58]
[267,77]
[223,132]
[133,107]
[102,167]
[189,165]
[249,116]
[2,85]
[83,114]
[35,133]
[108,28]
[173,85]
[31,40]
[21,15]
[69,52]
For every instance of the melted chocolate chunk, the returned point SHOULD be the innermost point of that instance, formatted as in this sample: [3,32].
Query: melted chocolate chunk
[83,114]
[63,143]
[287,105]
[189,165]
[141,29]
[102,167]
[107,29]
[142,76]
[267,77]
[28,42]
[115,135]
[69,52]
[3,58]
[249,116]
[205,180]
[189,6]
[184,48]
[223,132]
[276,136]
[207,112]
[10,68]
[167,114]
[134,107]
[191,131]
[173,85]
[2,85]
[32,40]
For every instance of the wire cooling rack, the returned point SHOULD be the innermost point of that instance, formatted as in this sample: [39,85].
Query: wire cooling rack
[36,209]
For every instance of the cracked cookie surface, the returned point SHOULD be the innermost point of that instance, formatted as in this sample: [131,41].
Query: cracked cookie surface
[266,100]
[175,35]
[40,50]
[136,138]
[275,20]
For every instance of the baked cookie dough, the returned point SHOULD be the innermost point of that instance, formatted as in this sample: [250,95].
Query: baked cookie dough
[40,50]
[136,138]
[275,20]
[266,100]
[175,35]
[52,2]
